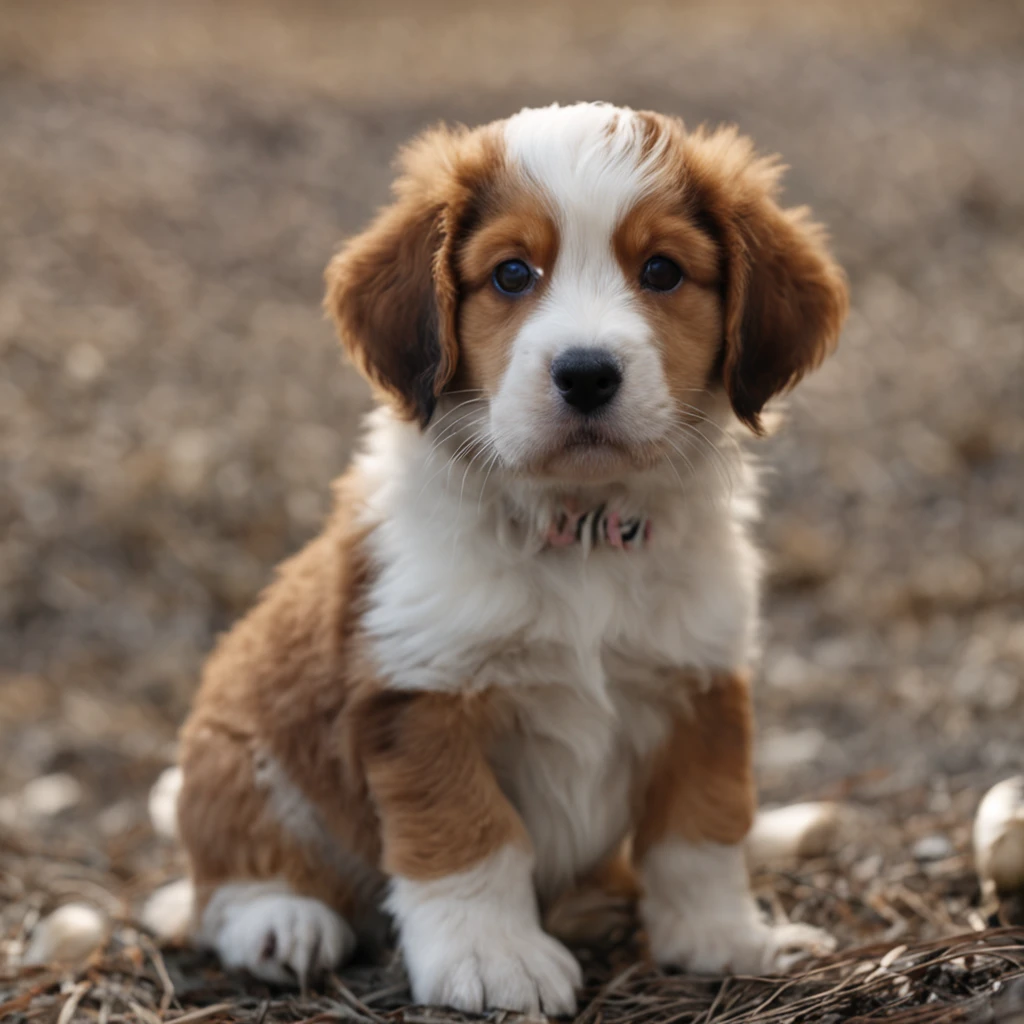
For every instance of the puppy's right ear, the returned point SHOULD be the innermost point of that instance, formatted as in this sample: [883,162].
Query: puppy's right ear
[391,290]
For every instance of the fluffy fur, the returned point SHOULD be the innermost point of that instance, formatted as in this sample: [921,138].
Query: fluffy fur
[433,711]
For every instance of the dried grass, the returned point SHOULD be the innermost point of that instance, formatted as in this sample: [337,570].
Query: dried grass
[961,975]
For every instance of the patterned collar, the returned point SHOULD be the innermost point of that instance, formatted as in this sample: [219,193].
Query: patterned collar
[596,527]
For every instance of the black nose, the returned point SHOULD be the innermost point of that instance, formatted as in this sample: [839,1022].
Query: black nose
[587,378]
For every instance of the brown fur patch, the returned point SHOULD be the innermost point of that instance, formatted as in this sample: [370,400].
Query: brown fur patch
[440,806]
[274,692]
[392,290]
[687,322]
[701,786]
[516,228]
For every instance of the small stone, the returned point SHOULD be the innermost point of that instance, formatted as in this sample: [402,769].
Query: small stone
[867,869]
[118,818]
[790,672]
[999,837]
[68,935]
[163,803]
[84,362]
[797,831]
[785,750]
[934,847]
[49,795]
[168,912]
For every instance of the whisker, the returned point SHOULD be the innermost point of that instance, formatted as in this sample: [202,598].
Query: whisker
[703,417]
[490,464]
[721,465]
[682,455]
[672,466]
[454,409]
[448,463]
[459,453]
[691,429]
[462,490]
[451,430]
[717,460]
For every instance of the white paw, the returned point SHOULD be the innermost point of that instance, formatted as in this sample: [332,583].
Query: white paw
[282,938]
[473,940]
[700,915]
[495,964]
[734,946]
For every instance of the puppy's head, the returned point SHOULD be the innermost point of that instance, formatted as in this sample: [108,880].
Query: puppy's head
[585,280]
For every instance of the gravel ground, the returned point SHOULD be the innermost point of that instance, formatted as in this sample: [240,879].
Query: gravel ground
[173,407]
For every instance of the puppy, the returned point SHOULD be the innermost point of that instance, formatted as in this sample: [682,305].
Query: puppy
[524,635]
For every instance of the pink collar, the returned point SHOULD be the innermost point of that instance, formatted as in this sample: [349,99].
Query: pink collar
[595,527]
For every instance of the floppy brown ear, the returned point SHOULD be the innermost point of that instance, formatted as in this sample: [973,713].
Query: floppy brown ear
[785,297]
[391,290]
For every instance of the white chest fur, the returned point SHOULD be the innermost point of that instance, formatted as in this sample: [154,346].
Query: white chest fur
[569,765]
[588,649]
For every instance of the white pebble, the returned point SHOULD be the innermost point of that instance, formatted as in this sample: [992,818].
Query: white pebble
[168,912]
[49,795]
[934,847]
[68,935]
[786,750]
[163,803]
[999,837]
[797,831]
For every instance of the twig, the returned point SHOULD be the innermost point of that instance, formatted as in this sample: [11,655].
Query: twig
[67,1011]
[201,1014]
[161,969]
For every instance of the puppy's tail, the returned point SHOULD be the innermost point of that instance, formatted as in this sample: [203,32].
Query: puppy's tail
[168,912]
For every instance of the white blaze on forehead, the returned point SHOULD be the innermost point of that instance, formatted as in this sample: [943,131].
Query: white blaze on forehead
[588,167]
[587,159]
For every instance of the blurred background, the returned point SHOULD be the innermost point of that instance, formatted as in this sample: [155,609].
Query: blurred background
[173,406]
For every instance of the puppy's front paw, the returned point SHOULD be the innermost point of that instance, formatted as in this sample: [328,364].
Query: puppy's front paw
[494,964]
[473,940]
[733,945]
[700,915]
[282,938]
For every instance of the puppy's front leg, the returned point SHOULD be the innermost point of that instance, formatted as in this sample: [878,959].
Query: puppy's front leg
[460,860]
[698,808]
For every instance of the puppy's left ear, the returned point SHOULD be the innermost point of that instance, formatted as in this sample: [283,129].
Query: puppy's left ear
[785,297]
[391,290]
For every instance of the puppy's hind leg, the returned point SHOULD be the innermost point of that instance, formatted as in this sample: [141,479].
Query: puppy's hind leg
[274,933]
[271,893]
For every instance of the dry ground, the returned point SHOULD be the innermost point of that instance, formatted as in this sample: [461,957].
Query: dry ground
[172,407]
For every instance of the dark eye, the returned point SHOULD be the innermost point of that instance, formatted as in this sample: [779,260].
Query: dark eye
[512,277]
[660,274]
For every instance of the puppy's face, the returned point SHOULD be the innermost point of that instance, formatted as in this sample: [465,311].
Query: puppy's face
[575,285]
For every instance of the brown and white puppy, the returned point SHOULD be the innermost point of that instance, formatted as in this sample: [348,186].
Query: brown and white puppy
[524,634]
